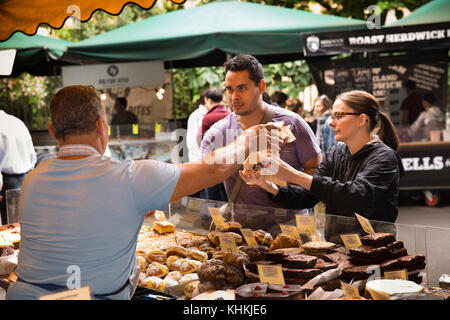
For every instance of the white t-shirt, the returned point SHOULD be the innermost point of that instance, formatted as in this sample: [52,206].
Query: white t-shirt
[17,153]
[193,125]
[86,214]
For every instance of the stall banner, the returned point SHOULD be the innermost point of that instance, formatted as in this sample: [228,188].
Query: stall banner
[385,39]
[384,77]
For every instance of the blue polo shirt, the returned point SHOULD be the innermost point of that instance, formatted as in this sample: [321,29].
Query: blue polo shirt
[85,215]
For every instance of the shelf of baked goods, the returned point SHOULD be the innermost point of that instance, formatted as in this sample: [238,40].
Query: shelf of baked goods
[190,261]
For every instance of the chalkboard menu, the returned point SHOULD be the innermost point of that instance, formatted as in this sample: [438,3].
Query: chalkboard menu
[347,79]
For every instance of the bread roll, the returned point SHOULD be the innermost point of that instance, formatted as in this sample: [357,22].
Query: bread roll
[157,269]
[156,256]
[174,262]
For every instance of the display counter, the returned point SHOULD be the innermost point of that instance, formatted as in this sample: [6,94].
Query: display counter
[187,257]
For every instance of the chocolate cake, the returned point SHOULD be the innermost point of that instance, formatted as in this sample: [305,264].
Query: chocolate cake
[395,245]
[356,273]
[308,273]
[255,253]
[298,261]
[399,253]
[390,265]
[279,254]
[324,266]
[378,239]
[412,261]
[371,253]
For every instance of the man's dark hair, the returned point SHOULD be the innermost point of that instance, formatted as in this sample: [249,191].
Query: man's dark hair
[429,97]
[246,62]
[75,110]
[410,85]
[122,101]
[214,94]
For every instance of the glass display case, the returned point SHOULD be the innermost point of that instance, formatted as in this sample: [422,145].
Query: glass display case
[192,214]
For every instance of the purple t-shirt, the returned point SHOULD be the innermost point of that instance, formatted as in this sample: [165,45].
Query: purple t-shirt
[295,153]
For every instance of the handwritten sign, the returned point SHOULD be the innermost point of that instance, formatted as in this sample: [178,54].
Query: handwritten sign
[249,237]
[365,224]
[216,216]
[228,243]
[271,274]
[349,290]
[351,240]
[377,295]
[290,231]
[306,224]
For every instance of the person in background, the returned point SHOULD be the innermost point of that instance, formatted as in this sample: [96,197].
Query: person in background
[123,117]
[279,99]
[245,85]
[359,175]
[17,155]
[324,132]
[194,124]
[430,119]
[81,212]
[216,112]
[412,105]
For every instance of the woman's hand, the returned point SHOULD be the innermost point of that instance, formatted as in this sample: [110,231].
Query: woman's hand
[255,179]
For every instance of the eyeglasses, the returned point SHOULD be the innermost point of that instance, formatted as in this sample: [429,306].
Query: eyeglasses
[339,115]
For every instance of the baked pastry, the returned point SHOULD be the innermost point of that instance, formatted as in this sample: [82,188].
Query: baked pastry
[167,283]
[255,253]
[230,227]
[213,237]
[373,254]
[263,238]
[177,251]
[390,265]
[213,272]
[324,266]
[377,239]
[197,242]
[156,269]
[163,226]
[216,295]
[218,255]
[191,289]
[197,254]
[301,273]
[173,275]
[189,266]
[279,254]
[235,277]
[174,262]
[156,256]
[143,263]
[298,261]
[317,248]
[187,278]
[264,290]
[395,245]
[208,249]
[284,241]
[152,282]
[238,260]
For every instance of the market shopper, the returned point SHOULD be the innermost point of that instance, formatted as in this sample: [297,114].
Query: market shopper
[430,119]
[412,105]
[324,132]
[194,125]
[360,175]
[80,213]
[17,156]
[245,85]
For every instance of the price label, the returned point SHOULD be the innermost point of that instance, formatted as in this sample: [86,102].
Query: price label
[320,207]
[249,237]
[216,216]
[109,131]
[157,127]
[228,243]
[397,274]
[290,231]
[306,224]
[349,290]
[135,129]
[271,274]
[159,215]
[75,294]
[351,240]
[365,224]
[377,295]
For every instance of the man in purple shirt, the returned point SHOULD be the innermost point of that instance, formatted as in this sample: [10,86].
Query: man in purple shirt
[245,85]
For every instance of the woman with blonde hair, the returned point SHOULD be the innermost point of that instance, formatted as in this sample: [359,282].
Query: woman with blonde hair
[360,175]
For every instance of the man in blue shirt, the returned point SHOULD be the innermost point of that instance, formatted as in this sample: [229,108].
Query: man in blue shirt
[80,213]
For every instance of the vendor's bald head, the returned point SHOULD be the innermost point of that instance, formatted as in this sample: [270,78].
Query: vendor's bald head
[77,112]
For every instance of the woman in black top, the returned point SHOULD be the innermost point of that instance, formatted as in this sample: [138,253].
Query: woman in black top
[360,175]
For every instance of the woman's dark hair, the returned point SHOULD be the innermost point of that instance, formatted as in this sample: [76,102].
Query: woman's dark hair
[429,97]
[380,124]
